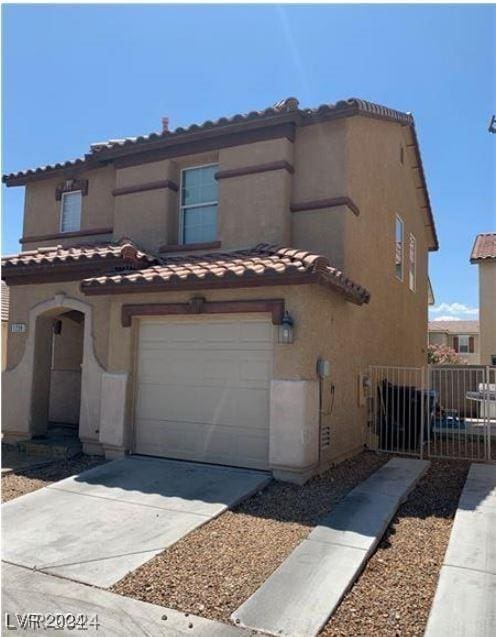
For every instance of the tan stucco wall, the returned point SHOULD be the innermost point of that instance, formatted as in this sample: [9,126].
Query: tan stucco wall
[255,208]
[148,217]
[396,328]
[5,334]
[320,161]
[42,210]
[487,310]
[321,232]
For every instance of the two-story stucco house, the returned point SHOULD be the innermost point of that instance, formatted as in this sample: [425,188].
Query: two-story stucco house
[177,290]
[484,255]
[461,336]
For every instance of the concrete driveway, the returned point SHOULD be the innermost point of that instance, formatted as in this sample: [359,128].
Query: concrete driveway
[101,524]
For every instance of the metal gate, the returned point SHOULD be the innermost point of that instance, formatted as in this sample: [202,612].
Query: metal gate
[435,411]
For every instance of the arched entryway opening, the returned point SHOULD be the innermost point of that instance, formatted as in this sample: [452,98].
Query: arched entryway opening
[57,373]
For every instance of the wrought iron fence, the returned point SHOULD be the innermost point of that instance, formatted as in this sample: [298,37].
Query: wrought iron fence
[435,411]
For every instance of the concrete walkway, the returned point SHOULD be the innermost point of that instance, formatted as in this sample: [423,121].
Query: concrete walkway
[103,523]
[301,595]
[465,600]
[26,595]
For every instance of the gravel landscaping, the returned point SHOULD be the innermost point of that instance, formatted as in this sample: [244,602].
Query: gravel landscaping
[394,594]
[23,481]
[214,569]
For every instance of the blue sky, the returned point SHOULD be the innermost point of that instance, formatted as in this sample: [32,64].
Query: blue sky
[73,75]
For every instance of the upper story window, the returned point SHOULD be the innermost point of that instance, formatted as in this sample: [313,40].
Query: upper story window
[464,344]
[70,213]
[199,199]
[398,248]
[412,263]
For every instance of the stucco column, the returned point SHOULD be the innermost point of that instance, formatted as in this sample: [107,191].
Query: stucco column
[113,434]
[294,429]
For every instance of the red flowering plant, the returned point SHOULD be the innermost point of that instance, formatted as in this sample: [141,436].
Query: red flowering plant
[443,355]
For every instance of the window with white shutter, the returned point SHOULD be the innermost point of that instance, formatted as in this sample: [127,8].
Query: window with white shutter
[70,214]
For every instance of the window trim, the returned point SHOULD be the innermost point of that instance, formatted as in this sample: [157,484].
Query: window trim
[464,336]
[63,196]
[402,276]
[181,240]
[412,272]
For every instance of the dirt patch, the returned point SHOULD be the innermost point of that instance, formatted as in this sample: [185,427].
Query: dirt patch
[394,594]
[214,569]
[23,481]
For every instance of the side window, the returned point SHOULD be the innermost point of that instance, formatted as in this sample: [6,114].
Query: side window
[398,245]
[70,211]
[412,264]
[464,344]
[199,199]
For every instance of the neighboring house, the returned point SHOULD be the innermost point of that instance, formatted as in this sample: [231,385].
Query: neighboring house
[5,323]
[161,276]
[461,336]
[484,255]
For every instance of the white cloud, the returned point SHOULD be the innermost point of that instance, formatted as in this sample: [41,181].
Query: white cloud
[452,309]
[447,318]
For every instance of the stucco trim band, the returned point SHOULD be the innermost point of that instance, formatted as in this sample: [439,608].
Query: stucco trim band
[319,204]
[252,170]
[198,305]
[150,185]
[65,235]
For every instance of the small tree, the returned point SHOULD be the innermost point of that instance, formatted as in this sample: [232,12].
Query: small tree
[443,355]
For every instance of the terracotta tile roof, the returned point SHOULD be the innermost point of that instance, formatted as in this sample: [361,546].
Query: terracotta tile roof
[123,249]
[281,110]
[484,247]
[5,302]
[454,327]
[262,265]
[288,105]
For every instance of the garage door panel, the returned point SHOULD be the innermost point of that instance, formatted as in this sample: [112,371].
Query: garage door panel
[203,390]
[258,371]
[175,440]
[211,405]
[194,367]
[153,331]
[257,333]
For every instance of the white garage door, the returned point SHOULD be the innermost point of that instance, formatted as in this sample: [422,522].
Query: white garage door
[203,389]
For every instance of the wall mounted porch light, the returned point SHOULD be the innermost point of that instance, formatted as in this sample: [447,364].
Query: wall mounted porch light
[286,329]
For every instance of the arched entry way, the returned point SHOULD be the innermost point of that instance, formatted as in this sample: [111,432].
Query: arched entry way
[57,372]
[26,414]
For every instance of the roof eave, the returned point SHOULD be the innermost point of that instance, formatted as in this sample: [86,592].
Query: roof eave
[92,288]
[434,247]
[212,130]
